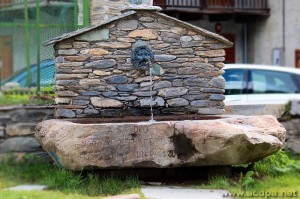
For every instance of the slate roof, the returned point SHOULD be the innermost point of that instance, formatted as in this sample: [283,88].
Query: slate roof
[196,29]
[131,11]
[83,30]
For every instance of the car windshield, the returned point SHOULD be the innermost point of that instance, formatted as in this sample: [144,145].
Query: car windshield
[263,81]
[234,81]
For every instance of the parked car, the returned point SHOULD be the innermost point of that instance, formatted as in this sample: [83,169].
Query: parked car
[46,73]
[260,84]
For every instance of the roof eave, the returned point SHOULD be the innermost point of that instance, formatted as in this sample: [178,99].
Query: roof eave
[131,12]
[198,29]
[83,30]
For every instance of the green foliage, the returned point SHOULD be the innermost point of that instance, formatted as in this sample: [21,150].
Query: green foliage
[17,96]
[63,179]
[246,180]
[25,169]
[276,164]
[112,185]
[217,182]
[48,89]
[287,112]
[93,182]
[278,173]
[242,165]
[34,170]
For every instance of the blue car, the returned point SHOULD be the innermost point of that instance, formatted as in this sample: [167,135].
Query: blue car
[46,74]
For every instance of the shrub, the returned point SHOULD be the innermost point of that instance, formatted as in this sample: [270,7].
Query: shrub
[276,164]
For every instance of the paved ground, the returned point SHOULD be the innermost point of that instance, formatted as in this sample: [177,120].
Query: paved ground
[28,188]
[172,192]
[156,192]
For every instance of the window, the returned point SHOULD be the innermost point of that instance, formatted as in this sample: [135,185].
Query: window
[298,81]
[272,82]
[235,81]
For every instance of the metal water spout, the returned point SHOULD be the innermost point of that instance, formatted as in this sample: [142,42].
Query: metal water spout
[142,58]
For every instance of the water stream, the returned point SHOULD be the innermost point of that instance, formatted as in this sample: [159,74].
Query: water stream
[151,97]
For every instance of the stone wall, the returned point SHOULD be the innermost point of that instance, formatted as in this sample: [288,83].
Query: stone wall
[17,128]
[104,9]
[95,77]
[293,134]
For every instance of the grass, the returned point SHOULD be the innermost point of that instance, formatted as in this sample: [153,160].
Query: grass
[10,100]
[278,174]
[28,96]
[62,183]
[4,194]
[41,195]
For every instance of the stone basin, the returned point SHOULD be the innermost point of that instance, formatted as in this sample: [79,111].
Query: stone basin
[191,141]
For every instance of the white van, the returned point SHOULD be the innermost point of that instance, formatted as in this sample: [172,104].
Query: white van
[260,84]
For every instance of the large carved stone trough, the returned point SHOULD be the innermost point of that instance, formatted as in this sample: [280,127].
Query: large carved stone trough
[102,72]
[163,144]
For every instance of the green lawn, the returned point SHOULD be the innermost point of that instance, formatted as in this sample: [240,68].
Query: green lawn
[42,195]
[277,176]
[27,96]
[62,183]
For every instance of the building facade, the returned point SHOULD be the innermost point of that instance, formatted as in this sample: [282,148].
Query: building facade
[276,39]
[264,32]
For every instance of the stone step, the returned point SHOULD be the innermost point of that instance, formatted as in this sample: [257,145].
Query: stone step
[166,192]
[28,188]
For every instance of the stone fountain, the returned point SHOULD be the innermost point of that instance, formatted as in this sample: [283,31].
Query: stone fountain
[111,76]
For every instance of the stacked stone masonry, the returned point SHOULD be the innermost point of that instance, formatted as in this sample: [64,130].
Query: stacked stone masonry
[104,9]
[17,128]
[293,134]
[95,77]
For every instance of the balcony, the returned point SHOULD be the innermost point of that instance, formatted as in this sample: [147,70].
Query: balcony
[254,8]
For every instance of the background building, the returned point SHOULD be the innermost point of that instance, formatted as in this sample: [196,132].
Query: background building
[264,32]
[25,24]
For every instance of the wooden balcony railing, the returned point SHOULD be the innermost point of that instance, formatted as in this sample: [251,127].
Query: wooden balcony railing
[178,3]
[214,4]
[219,4]
[251,4]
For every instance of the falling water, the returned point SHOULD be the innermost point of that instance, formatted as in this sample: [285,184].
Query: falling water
[151,98]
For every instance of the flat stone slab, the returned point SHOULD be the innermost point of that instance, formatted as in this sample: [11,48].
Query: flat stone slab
[163,144]
[181,192]
[256,109]
[28,188]
[131,196]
